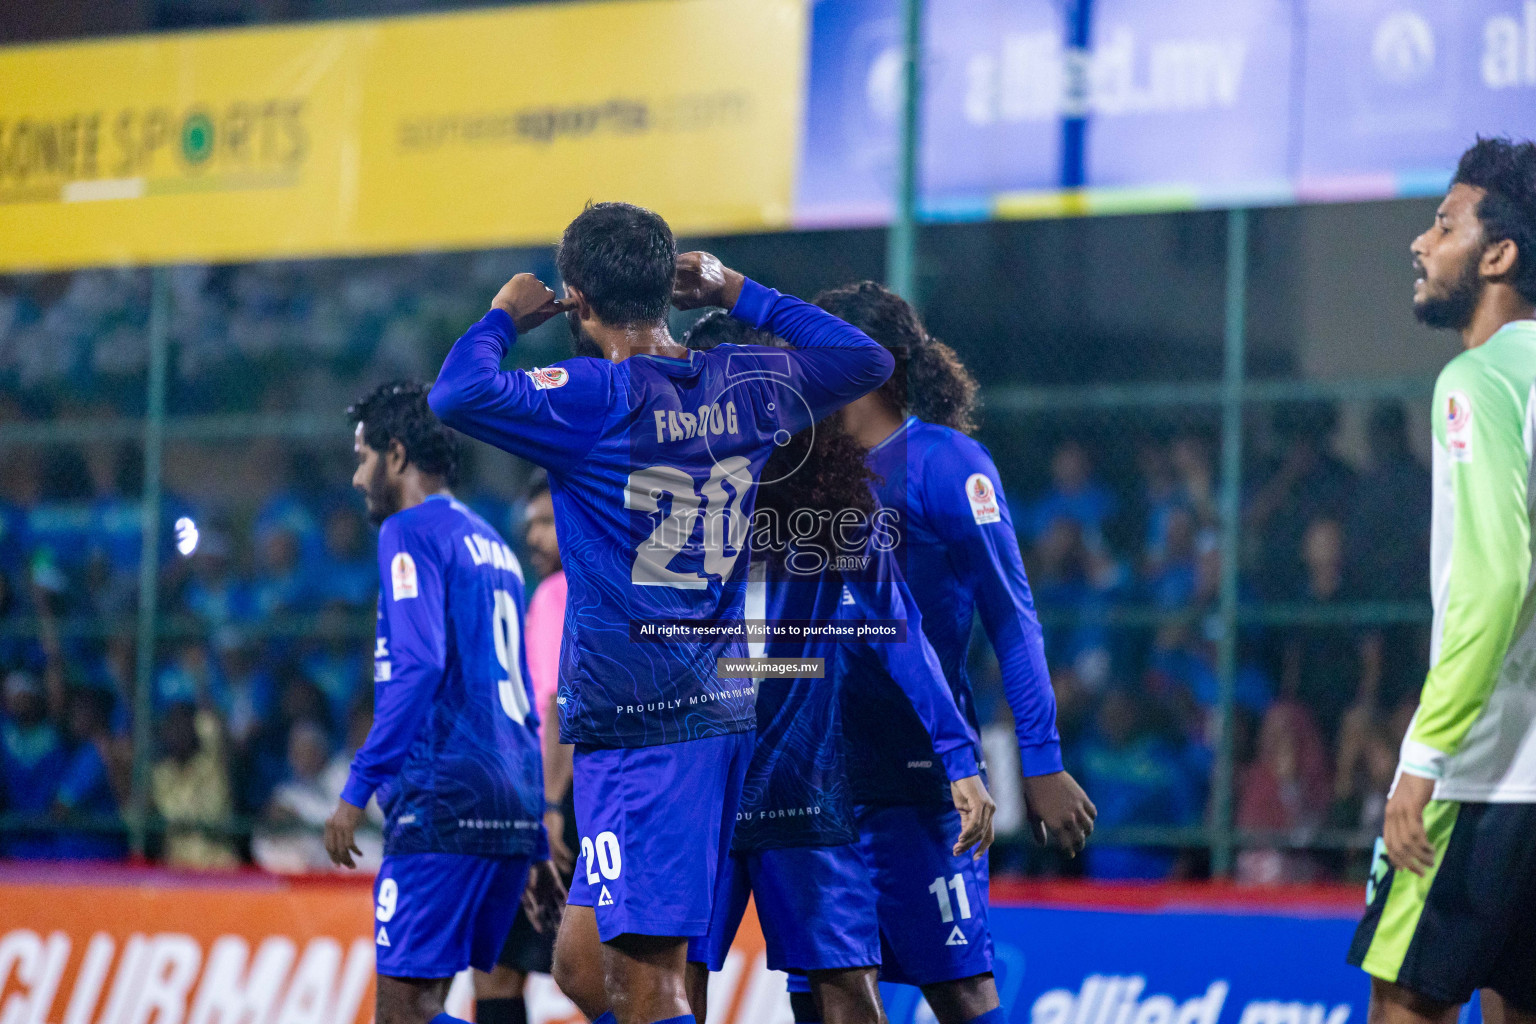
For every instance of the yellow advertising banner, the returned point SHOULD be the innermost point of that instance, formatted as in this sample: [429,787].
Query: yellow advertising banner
[446,131]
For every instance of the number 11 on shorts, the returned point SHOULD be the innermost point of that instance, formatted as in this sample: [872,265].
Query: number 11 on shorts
[940,888]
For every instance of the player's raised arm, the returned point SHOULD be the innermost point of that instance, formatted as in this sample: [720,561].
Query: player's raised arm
[965,498]
[409,660]
[547,416]
[914,666]
[837,362]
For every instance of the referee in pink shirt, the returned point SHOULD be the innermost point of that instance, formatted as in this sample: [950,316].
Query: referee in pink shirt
[499,995]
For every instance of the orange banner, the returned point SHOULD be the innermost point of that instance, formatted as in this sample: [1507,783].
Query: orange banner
[185,950]
[115,946]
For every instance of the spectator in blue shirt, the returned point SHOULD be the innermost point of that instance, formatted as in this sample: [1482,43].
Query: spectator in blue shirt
[243,691]
[13,537]
[1137,778]
[292,508]
[279,585]
[189,677]
[92,780]
[60,526]
[1073,583]
[33,760]
[1074,495]
[333,661]
[212,591]
[346,571]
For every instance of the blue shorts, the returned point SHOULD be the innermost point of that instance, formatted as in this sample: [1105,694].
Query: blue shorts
[733,887]
[655,825]
[932,904]
[438,913]
[816,905]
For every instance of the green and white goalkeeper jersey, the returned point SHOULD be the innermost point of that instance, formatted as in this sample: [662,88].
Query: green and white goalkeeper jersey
[1475,729]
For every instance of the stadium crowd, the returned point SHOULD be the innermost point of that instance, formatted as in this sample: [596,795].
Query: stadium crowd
[262,685]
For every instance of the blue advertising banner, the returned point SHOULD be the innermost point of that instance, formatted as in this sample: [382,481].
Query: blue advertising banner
[1180,103]
[1187,101]
[1396,89]
[1191,95]
[1090,966]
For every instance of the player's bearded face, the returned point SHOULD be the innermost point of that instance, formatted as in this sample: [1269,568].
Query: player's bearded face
[382,500]
[1449,304]
[581,342]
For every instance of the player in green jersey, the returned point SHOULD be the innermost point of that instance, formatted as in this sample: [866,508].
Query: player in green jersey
[1452,896]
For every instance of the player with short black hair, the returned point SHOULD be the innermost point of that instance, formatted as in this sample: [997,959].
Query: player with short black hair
[620,258]
[653,453]
[959,555]
[1451,902]
[453,753]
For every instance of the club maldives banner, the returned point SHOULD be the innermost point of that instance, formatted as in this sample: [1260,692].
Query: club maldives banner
[118,946]
[461,130]
[1172,103]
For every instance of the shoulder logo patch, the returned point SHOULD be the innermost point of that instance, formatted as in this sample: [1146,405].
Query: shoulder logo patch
[402,576]
[983,498]
[956,938]
[1458,426]
[549,377]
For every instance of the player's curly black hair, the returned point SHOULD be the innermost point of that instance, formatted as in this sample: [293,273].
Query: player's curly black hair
[821,469]
[622,257]
[717,327]
[1506,172]
[929,381]
[398,411]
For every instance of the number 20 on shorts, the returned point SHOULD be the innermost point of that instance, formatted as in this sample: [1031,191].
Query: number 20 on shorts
[603,855]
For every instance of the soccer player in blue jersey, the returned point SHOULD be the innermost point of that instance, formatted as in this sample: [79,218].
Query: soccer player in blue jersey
[959,555]
[653,453]
[823,554]
[453,754]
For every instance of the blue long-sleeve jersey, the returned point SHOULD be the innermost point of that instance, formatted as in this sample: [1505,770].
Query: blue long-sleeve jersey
[653,464]
[959,554]
[797,791]
[453,753]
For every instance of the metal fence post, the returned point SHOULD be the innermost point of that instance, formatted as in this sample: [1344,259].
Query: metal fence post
[149,558]
[901,242]
[1234,343]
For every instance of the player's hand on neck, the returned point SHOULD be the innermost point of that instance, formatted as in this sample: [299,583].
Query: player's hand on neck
[528,301]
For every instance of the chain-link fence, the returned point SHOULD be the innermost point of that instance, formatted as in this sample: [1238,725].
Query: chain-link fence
[1209,425]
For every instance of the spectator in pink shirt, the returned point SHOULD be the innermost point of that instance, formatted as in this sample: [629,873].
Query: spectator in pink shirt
[546,610]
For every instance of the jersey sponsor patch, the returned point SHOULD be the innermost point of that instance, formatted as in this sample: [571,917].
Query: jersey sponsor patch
[545,378]
[402,576]
[983,498]
[1458,426]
